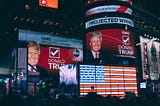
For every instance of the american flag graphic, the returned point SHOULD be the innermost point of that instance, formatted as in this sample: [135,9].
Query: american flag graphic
[107,80]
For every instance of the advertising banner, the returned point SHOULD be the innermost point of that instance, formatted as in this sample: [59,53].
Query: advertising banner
[150,55]
[54,51]
[116,42]
[109,20]
[49,3]
[108,8]
[55,56]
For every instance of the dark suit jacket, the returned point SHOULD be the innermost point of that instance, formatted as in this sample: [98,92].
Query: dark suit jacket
[43,72]
[41,75]
[104,58]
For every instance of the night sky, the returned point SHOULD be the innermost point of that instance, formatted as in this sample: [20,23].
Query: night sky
[154,7]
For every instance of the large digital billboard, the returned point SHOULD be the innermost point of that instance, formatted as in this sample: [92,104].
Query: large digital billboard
[45,53]
[81,79]
[117,46]
[150,57]
[54,51]
[49,3]
[108,8]
[107,80]
[68,77]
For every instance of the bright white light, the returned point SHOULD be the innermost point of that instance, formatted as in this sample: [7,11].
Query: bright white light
[153,39]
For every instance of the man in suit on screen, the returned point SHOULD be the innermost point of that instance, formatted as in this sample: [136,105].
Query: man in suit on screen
[33,57]
[95,55]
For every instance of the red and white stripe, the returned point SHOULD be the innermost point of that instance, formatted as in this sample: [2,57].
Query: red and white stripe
[108,8]
[31,69]
[117,81]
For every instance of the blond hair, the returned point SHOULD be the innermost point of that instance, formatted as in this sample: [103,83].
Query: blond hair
[34,44]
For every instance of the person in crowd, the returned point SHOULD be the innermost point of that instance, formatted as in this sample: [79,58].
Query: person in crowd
[95,55]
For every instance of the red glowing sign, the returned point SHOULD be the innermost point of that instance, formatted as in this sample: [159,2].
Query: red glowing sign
[49,3]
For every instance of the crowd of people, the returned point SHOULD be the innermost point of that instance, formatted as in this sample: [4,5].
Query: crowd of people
[91,99]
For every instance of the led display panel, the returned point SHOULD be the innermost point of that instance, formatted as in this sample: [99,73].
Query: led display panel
[68,77]
[108,8]
[45,53]
[117,47]
[107,80]
[54,51]
[49,3]
[150,57]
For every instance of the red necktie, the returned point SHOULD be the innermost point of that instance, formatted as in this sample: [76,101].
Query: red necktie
[96,55]
[32,70]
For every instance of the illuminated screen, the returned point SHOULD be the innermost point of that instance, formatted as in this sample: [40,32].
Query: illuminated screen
[21,67]
[45,54]
[69,79]
[49,3]
[117,47]
[150,56]
[54,51]
[108,8]
[107,80]
[143,85]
